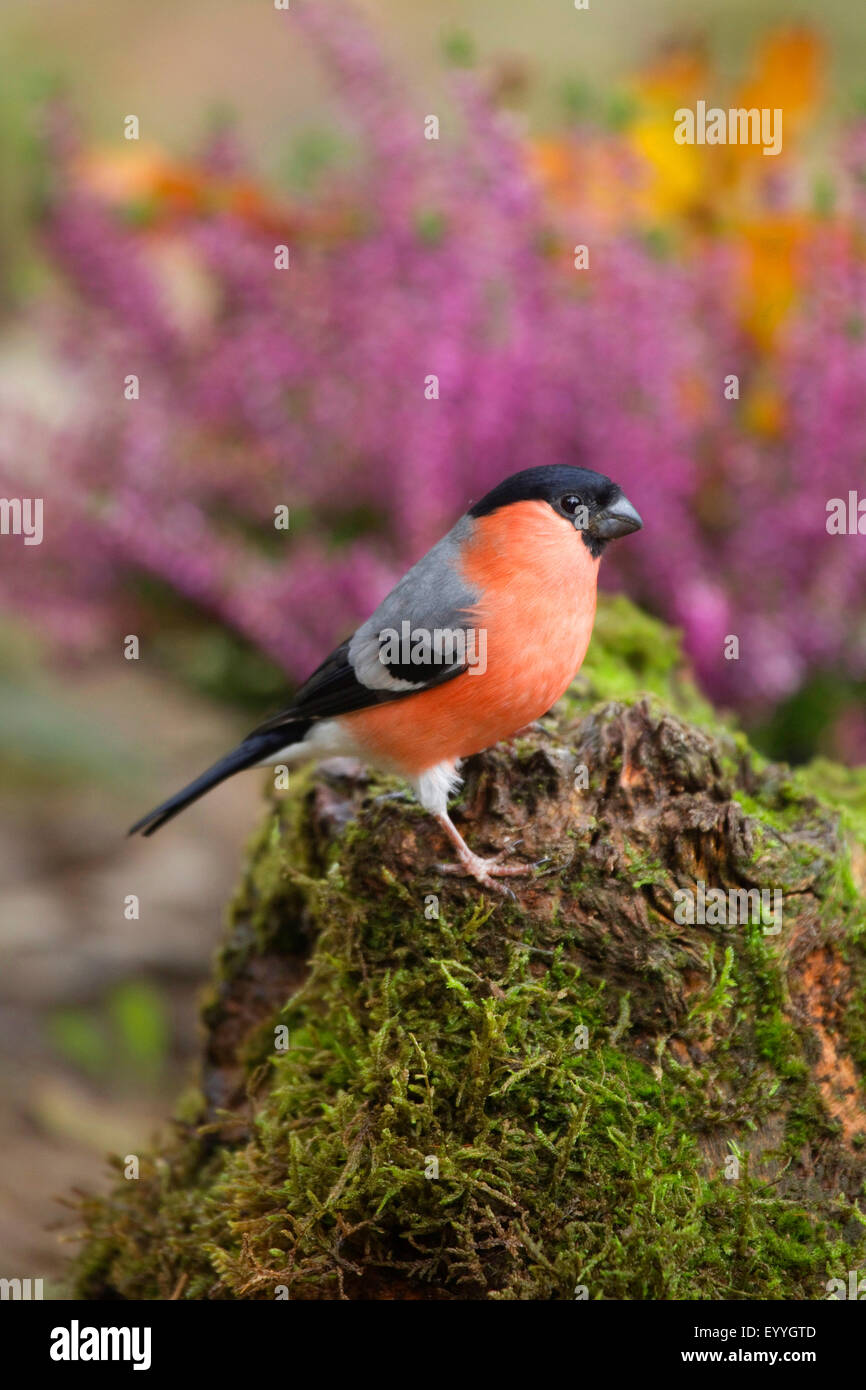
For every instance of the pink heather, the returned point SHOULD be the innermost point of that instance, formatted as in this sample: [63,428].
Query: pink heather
[306,388]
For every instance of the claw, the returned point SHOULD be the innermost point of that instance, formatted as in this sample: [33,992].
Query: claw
[487,871]
[484,871]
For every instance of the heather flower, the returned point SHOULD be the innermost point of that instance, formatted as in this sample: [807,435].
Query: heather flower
[453,260]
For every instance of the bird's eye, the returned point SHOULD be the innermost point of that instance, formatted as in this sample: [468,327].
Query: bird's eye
[570,503]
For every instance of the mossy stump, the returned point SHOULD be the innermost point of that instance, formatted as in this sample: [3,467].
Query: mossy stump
[568,1094]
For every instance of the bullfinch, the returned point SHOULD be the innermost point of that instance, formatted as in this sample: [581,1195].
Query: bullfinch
[479,639]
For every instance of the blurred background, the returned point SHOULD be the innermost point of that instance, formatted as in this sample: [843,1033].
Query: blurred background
[304,388]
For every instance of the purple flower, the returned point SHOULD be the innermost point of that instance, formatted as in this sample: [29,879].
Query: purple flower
[404,363]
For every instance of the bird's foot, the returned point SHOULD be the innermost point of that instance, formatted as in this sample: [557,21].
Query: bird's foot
[487,871]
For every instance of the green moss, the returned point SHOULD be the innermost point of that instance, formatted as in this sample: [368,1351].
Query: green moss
[841,787]
[404,1049]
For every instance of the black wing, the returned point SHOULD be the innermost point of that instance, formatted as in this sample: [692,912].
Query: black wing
[432,598]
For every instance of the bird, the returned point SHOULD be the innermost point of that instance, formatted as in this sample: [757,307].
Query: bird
[477,641]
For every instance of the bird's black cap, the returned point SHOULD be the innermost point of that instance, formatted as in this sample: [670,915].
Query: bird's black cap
[608,512]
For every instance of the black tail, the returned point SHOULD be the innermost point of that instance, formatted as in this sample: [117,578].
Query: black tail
[247,754]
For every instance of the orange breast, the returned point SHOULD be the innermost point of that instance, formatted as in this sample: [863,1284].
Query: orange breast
[537,582]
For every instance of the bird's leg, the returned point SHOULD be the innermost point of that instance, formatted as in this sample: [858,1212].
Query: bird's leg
[486,871]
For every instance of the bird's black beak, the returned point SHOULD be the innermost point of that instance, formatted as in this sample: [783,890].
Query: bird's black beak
[619,519]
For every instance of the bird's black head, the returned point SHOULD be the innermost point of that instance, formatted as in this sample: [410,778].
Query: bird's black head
[590,502]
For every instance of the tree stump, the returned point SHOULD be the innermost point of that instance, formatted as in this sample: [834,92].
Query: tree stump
[409,1090]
